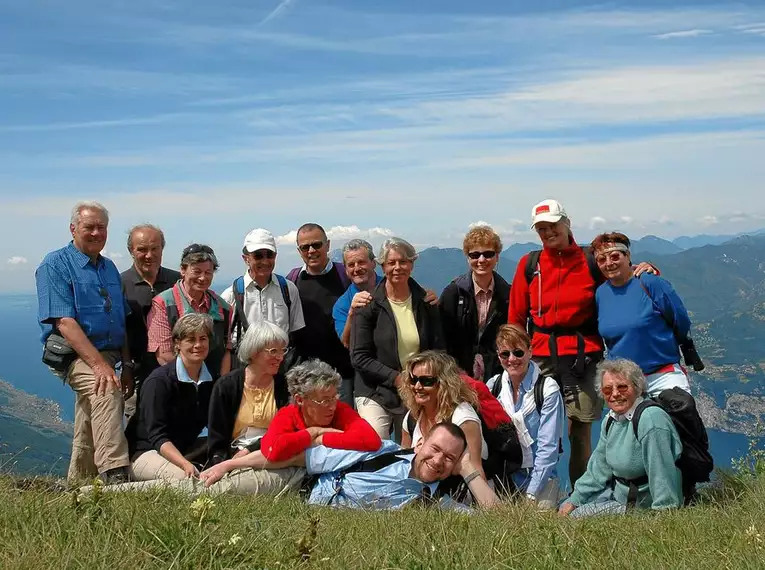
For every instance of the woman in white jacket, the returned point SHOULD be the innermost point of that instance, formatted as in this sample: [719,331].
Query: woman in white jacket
[536,406]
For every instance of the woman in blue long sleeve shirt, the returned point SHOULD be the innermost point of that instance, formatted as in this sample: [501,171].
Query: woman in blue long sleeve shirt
[637,315]
[539,431]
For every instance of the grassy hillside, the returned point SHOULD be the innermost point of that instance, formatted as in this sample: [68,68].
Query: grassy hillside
[45,528]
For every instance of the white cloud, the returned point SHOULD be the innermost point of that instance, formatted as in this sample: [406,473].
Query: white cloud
[709,220]
[17,260]
[597,222]
[341,234]
[626,219]
[682,34]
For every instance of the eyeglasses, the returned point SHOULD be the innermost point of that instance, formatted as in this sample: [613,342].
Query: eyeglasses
[620,388]
[489,254]
[613,257]
[326,401]
[276,351]
[425,381]
[107,299]
[517,352]
[267,253]
[306,247]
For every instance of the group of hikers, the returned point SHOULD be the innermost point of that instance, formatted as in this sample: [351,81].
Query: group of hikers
[368,390]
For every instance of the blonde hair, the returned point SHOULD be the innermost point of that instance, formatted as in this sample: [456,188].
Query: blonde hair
[482,236]
[452,389]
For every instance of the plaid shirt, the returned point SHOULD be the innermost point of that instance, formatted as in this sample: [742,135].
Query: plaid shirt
[159,331]
[70,285]
[483,302]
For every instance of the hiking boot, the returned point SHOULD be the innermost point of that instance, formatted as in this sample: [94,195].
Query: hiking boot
[115,476]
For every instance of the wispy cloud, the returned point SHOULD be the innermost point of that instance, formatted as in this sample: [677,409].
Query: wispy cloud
[342,234]
[17,260]
[276,12]
[682,34]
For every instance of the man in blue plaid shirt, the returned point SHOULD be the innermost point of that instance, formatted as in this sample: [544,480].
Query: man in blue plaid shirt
[80,298]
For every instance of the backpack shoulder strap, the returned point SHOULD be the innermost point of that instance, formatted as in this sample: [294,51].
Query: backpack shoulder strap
[379,462]
[668,318]
[532,263]
[496,388]
[411,423]
[462,307]
[642,406]
[294,274]
[285,292]
[539,393]
[340,268]
[592,265]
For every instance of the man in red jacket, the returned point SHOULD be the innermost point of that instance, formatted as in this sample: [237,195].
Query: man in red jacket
[553,294]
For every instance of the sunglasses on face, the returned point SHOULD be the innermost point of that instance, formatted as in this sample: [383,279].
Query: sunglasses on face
[107,299]
[613,257]
[517,352]
[489,254]
[326,401]
[306,247]
[267,254]
[622,389]
[424,381]
[276,351]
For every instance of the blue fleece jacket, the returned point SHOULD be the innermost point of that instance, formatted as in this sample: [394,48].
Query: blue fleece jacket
[632,325]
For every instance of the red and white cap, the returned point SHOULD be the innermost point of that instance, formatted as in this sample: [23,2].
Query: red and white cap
[547,211]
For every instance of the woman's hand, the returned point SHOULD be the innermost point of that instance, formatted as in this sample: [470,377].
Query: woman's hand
[643,268]
[213,474]
[190,470]
[566,509]
[317,434]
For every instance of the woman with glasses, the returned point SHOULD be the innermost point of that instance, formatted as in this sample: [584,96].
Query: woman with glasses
[536,406]
[245,401]
[640,318]
[629,467]
[192,294]
[397,324]
[315,417]
[433,392]
[475,305]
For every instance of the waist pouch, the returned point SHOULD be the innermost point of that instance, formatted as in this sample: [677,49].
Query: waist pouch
[58,355]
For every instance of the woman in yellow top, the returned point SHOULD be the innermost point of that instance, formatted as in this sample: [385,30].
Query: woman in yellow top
[397,324]
[244,402]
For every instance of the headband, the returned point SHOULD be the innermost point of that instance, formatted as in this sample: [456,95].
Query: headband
[615,247]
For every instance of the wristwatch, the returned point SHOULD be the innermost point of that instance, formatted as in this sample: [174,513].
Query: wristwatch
[469,478]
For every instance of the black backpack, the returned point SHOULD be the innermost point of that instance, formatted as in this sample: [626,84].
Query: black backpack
[695,462]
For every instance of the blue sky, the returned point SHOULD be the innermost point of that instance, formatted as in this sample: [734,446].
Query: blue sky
[376,118]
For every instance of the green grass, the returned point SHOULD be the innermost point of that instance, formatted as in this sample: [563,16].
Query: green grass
[43,527]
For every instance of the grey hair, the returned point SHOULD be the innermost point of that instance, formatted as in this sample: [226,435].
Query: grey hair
[259,336]
[623,368]
[144,227]
[356,244]
[87,205]
[191,324]
[311,375]
[400,245]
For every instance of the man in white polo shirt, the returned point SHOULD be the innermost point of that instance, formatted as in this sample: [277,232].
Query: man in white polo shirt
[260,294]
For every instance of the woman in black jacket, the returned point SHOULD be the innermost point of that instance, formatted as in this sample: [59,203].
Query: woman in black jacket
[474,306]
[244,402]
[395,325]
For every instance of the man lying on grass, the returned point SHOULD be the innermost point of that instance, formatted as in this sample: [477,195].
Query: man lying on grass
[385,479]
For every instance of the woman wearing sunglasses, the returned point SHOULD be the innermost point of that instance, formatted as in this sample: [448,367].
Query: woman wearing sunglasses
[244,402]
[539,423]
[640,318]
[475,305]
[397,324]
[315,417]
[628,466]
[433,392]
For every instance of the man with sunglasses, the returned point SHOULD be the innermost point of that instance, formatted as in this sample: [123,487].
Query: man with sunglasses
[82,314]
[475,305]
[261,294]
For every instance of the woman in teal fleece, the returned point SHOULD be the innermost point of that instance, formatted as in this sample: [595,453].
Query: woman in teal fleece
[619,455]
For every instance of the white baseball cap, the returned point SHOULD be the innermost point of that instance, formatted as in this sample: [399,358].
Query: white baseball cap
[547,211]
[259,239]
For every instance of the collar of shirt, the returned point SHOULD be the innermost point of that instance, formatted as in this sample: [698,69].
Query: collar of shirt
[183,375]
[136,278]
[479,289]
[627,416]
[506,392]
[324,271]
[204,304]
[80,258]
[248,280]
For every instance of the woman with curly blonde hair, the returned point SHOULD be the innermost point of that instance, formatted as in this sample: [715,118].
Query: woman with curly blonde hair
[433,391]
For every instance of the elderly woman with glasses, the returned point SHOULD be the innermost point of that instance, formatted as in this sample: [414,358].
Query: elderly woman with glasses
[433,391]
[397,324]
[172,411]
[535,404]
[640,318]
[315,417]
[245,401]
[192,294]
[628,468]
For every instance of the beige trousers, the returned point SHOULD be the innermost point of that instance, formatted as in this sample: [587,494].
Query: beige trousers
[387,425]
[98,442]
[149,465]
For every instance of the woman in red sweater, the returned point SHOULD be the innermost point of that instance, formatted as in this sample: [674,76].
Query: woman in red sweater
[315,417]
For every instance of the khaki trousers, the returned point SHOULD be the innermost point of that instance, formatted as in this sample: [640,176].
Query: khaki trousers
[149,465]
[98,442]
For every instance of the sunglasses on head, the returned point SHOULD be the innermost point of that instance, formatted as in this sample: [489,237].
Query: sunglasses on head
[306,247]
[425,381]
[197,248]
[265,253]
[518,353]
[488,254]
[613,257]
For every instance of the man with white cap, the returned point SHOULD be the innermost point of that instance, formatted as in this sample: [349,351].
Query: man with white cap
[553,294]
[260,294]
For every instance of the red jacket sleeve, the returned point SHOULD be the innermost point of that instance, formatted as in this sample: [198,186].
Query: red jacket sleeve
[519,306]
[357,434]
[285,438]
